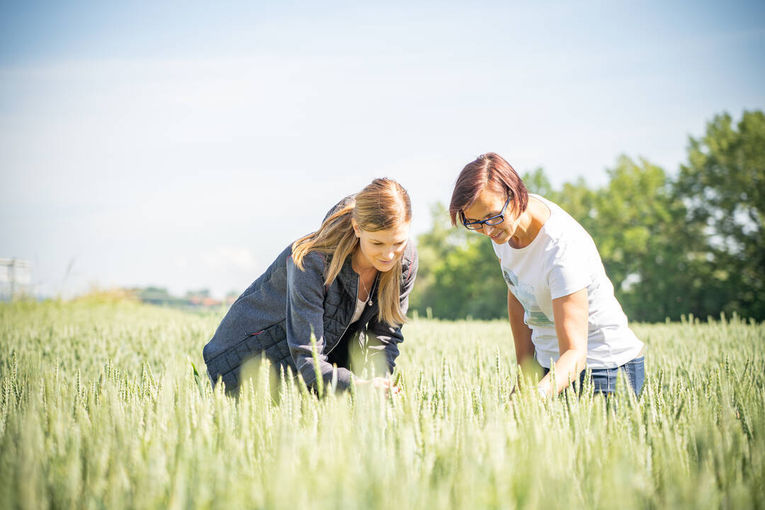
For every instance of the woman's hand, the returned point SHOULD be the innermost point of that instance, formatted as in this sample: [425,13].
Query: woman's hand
[383,383]
[386,384]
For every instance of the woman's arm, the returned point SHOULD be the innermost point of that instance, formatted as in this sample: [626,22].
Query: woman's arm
[571,323]
[305,317]
[524,348]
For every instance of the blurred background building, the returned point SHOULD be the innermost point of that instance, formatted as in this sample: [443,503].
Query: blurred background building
[15,279]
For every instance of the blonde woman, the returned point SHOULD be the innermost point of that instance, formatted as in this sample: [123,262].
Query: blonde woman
[345,284]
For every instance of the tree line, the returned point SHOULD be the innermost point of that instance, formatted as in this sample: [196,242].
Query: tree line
[690,242]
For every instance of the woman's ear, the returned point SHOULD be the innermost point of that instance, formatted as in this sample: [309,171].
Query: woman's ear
[356,229]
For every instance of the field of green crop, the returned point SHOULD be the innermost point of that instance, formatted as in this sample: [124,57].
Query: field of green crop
[100,407]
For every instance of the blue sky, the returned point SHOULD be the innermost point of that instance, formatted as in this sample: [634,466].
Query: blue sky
[185,144]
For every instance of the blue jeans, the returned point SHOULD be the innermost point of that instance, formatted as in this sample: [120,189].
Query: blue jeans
[604,379]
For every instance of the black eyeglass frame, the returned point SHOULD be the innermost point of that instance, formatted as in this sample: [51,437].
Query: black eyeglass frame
[494,220]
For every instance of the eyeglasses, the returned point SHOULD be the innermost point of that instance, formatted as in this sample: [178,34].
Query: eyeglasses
[494,220]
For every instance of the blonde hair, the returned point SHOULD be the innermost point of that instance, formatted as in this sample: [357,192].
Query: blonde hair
[382,205]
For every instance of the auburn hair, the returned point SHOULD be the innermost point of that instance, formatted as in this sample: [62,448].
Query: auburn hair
[489,170]
[381,205]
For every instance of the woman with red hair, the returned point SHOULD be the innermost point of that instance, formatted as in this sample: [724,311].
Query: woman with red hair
[561,304]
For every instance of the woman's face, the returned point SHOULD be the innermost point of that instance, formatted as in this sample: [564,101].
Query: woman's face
[383,248]
[489,203]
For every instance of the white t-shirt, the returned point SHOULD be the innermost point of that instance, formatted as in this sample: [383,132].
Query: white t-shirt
[561,260]
[358,310]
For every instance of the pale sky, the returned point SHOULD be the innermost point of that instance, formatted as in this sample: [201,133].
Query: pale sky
[186,144]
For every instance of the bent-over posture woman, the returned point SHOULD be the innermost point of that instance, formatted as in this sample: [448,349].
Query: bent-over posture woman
[349,280]
[561,304]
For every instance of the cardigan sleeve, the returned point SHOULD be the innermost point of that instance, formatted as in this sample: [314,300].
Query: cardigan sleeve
[305,318]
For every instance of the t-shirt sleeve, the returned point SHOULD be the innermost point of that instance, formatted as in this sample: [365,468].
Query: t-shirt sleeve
[569,271]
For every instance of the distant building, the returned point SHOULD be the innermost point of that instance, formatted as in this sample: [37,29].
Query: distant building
[15,279]
[202,298]
[158,296]
[194,299]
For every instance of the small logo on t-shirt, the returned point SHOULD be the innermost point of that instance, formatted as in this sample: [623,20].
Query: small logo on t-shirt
[524,293]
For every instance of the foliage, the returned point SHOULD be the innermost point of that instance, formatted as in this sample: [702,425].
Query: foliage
[647,249]
[723,185]
[689,245]
[103,406]
[455,277]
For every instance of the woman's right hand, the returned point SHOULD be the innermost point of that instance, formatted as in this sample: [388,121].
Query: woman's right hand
[383,383]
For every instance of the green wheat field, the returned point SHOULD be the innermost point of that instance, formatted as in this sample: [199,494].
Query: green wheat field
[106,405]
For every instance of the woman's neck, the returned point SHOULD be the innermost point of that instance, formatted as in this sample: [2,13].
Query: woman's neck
[530,223]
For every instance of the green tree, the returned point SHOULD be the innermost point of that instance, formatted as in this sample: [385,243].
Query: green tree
[646,248]
[723,187]
[432,247]
[577,199]
[537,182]
[635,221]
[459,274]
